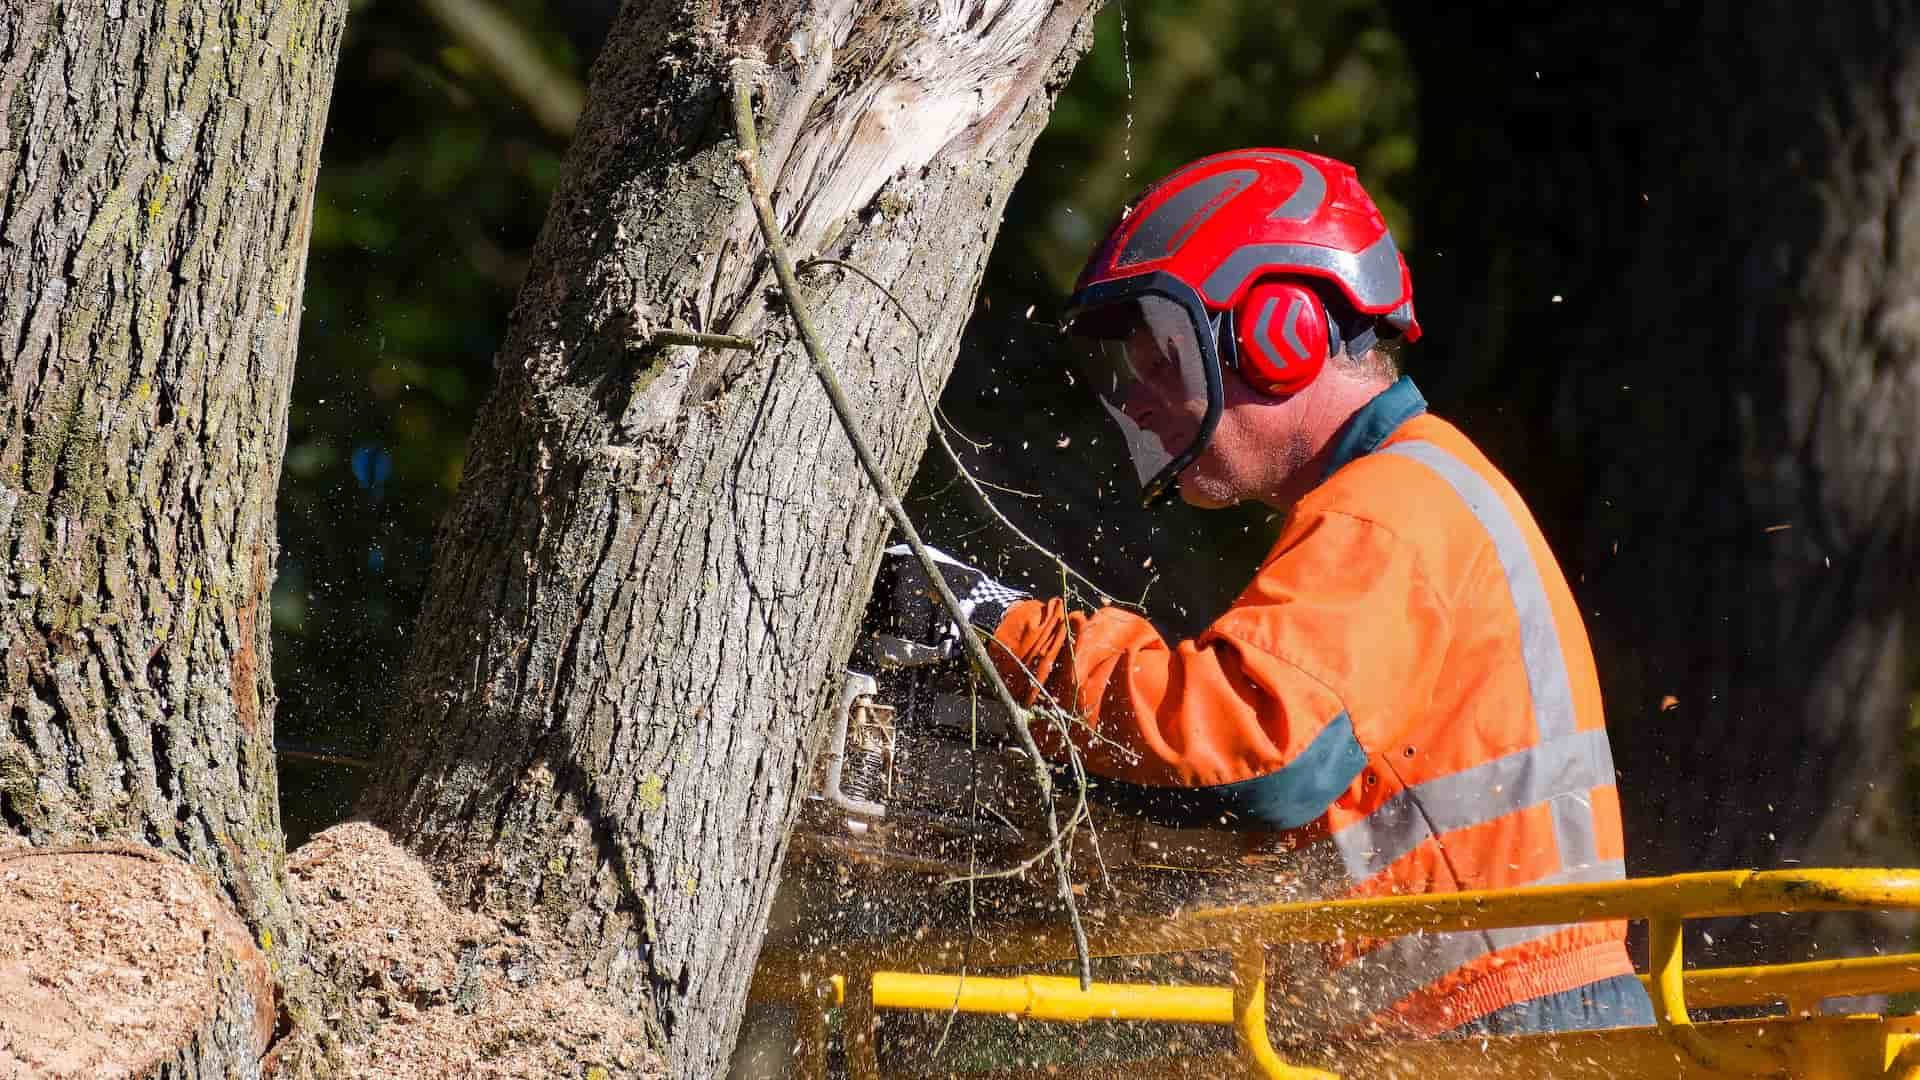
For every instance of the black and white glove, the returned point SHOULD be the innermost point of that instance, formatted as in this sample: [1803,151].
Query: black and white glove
[922,630]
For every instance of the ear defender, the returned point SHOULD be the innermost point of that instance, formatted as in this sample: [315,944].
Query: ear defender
[1282,337]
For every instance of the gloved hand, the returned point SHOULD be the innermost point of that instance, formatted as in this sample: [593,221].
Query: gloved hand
[922,631]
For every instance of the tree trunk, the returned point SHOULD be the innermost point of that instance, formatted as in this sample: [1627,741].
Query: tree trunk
[1732,230]
[156,177]
[650,579]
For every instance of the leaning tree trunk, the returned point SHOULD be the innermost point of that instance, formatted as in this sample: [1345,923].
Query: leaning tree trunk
[1723,248]
[156,179]
[650,579]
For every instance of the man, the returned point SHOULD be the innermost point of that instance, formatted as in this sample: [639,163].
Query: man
[1405,688]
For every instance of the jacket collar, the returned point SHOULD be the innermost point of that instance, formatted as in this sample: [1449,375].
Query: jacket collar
[1376,420]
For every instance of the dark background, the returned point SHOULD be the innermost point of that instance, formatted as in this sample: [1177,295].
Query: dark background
[1616,221]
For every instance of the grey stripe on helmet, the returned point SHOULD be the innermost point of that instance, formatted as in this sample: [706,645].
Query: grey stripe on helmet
[1262,328]
[1402,966]
[1373,274]
[1540,650]
[1400,318]
[1237,155]
[1307,198]
[1170,223]
[1568,766]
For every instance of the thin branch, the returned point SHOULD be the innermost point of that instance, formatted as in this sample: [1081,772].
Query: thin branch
[973,860]
[749,161]
[919,336]
[704,341]
[552,95]
[323,757]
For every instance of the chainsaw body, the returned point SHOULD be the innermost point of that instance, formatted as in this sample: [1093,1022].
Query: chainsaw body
[920,773]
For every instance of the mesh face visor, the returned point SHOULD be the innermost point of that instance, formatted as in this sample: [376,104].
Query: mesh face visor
[1151,362]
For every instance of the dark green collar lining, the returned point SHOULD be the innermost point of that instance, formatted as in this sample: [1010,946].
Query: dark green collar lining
[1376,420]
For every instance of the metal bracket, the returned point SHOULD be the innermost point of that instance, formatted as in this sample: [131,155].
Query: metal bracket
[857,685]
[891,650]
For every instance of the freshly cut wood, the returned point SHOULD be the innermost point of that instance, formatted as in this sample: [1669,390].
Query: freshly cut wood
[125,962]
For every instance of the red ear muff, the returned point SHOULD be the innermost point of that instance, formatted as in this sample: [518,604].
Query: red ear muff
[1280,336]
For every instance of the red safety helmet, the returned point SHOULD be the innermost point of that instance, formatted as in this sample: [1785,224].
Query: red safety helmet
[1266,261]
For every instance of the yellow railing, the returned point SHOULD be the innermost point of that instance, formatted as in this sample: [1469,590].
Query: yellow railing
[1800,1045]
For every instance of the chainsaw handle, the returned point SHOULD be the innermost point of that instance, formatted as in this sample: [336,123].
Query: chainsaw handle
[856,685]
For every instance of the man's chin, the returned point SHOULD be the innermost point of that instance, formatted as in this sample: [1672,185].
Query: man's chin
[1200,493]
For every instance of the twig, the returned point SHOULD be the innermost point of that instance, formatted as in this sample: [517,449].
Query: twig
[1079,766]
[705,341]
[935,416]
[973,862]
[749,161]
[321,756]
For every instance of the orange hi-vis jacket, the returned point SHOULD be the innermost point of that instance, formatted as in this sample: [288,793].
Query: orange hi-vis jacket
[1406,680]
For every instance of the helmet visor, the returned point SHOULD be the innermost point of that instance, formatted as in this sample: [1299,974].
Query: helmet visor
[1150,363]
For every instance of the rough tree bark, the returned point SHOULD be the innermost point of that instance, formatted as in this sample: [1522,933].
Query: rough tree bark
[156,179]
[1727,201]
[653,569]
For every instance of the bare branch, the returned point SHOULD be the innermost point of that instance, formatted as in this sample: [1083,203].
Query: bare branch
[936,416]
[705,341]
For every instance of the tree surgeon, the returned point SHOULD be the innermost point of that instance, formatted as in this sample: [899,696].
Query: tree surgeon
[1405,693]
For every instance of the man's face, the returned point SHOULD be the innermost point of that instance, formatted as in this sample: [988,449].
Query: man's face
[1169,403]
[1144,361]
[1252,451]
[1163,400]
[1147,367]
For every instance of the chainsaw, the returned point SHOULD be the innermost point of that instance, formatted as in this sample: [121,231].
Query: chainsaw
[921,772]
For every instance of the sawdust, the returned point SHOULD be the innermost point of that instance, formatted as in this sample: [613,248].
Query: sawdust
[447,994]
[111,961]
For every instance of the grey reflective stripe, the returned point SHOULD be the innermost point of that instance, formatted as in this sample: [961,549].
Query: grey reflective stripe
[1167,227]
[1403,965]
[1307,198]
[1262,330]
[1373,274]
[1566,767]
[1573,828]
[1540,649]
[1400,318]
[1237,155]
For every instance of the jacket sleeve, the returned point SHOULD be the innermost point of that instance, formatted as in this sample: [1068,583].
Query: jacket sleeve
[1253,723]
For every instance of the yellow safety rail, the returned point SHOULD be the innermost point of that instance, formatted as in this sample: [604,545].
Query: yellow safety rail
[1802,1045]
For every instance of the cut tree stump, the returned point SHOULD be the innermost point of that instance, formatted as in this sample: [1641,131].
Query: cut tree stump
[125,962]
